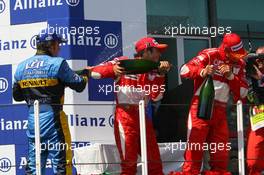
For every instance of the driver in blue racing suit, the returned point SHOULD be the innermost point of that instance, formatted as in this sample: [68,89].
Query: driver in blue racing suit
[44,77]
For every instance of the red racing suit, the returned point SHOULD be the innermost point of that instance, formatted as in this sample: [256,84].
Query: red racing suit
[130,89]
[212,132]
[255,147]
[255,152]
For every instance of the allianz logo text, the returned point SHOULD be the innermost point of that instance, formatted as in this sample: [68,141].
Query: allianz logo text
[76,120]
[23,160]
[110,41]
[3,85]
[35,4]
[13,44]
[5,165]
[7,125]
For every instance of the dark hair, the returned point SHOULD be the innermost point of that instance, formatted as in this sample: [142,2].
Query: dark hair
[140,53]
[43,48]
[251,61]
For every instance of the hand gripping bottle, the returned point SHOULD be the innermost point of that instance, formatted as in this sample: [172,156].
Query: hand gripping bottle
[206,99]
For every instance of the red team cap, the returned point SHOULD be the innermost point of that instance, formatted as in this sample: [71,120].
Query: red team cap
[234,44]
[148,42]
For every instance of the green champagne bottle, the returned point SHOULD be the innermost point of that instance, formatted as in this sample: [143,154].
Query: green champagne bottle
[138,66]
[206,99]
[84,72]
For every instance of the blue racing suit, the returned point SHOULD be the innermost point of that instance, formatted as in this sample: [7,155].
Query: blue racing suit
[44,78]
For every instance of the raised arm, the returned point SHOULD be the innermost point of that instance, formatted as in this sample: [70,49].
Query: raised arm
[70,78]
